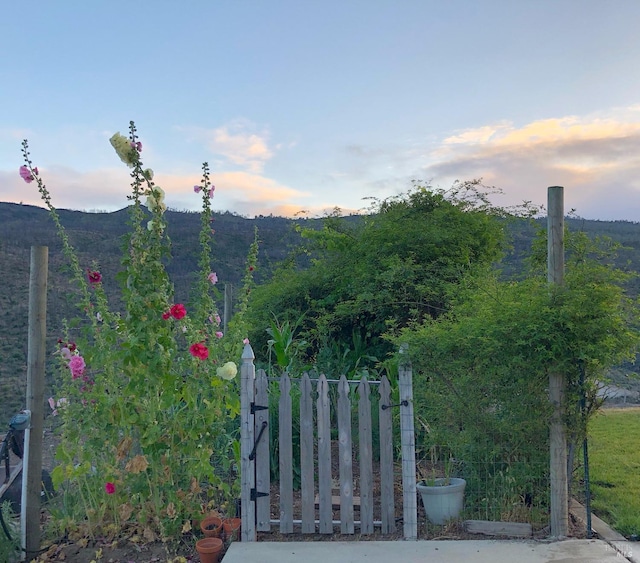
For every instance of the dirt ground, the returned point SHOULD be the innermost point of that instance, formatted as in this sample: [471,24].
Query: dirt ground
[135,550]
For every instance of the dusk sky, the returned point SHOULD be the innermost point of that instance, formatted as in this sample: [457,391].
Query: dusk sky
[307,105]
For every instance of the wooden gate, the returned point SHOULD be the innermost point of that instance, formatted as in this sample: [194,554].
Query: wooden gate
[316,439]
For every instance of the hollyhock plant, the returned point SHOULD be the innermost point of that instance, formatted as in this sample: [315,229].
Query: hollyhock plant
[145,408]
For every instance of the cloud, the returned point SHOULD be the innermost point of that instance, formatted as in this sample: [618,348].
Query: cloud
[237,143]
[241,192]
[104,189]
[593,157]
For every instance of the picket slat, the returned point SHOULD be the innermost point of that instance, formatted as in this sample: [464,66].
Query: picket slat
[286,456]
[385,421]
[323,415]
[346,455]
[306,457]
[366,468]
[263,456]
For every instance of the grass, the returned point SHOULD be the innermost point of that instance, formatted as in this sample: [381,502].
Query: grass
[614,460]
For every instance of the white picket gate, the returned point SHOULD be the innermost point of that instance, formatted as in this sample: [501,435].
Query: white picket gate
[316,439]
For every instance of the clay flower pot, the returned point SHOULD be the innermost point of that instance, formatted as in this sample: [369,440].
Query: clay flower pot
[209,549]
[231,528]
[211,526]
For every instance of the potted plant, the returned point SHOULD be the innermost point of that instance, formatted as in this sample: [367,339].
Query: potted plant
[442,497]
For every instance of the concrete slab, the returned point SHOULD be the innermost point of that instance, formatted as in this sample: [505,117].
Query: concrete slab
[476,551]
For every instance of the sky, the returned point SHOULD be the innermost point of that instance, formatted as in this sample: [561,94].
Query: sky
[301,106]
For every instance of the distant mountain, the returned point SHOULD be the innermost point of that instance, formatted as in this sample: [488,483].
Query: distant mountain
[98,236]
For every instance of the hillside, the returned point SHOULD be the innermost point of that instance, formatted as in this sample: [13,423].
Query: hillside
[97,236]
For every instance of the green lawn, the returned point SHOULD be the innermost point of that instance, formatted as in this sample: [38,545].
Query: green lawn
[614,462]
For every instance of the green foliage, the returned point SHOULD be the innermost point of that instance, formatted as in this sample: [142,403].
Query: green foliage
[398,265]
[148,410]
[9,548]
[482,369]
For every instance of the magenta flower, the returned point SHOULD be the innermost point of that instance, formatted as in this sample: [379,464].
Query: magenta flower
[213,278]
[211,190]
[26,175]
[197,189]
[245,341]
[77,366]
[94,277]
[109,488]
[219,334]
[65,353]
[137,146]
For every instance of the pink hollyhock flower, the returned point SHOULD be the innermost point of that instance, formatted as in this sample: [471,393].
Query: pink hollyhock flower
[197,189]
[213,278]
[137,146]
[26,175]
[77,366]
[166,315]
[109,488]
[65,353]
[217,318]
[211,190]
[94,277]
[199,350]
[178,311]
[245,341]
[219,334]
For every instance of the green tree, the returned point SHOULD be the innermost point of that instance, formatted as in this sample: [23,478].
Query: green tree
[481,370]
[397,265]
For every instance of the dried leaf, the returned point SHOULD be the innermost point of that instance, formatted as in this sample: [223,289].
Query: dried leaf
[186,527]
[125,511]
[171,510]
[123,448]
[137,465]
[149,535]
[195,486]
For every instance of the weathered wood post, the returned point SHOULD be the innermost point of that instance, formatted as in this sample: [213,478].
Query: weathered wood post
[557,430]
[247,441]
[408,445]
[32,467]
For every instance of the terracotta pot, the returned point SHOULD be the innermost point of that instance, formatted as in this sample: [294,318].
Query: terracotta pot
[231,528]
[209,549]
[211,526]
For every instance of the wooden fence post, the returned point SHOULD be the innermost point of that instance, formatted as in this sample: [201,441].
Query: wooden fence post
[408,445]
[262,458]
[35,399]
[557,430]
[346,457]
[247,434]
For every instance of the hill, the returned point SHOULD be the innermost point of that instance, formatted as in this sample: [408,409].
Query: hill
[98,237]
